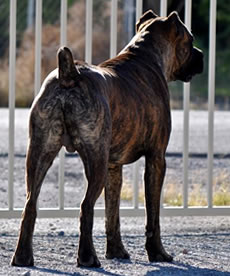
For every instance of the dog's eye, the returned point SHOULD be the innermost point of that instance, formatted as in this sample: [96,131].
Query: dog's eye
[183,51]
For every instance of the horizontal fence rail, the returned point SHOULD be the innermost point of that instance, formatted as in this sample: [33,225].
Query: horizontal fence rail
[135,209]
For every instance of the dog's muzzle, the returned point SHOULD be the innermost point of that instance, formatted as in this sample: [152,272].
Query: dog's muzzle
[194,66]
[198,59]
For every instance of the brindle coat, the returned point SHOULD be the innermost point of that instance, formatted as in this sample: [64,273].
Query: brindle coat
[111,114]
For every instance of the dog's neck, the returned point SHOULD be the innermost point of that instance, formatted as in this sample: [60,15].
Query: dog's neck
[141,46]
[140,63]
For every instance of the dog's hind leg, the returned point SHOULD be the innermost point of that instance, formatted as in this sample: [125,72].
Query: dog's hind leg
[154,176]
[96,172]
[40,155]
[115,247]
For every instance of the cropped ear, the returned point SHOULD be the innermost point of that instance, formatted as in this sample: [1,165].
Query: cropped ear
[146,16]
[173,17]
[174,20]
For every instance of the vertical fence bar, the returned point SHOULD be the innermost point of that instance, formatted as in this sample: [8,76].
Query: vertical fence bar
[113,29]
[88,43]
[211,96]
[12,65]
[163,13]
[38,51]
[61,173]
[136,166]
[63,36]
[38,46]
[188,12]
[88,34]
[139,9]
[163,8]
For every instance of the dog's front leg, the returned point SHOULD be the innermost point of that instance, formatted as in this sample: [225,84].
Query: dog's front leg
[115,248]
[154,176]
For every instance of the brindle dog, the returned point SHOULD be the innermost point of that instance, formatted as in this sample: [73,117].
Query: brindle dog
[111,114]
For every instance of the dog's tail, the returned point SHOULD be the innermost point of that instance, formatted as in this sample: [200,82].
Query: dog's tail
[68,74]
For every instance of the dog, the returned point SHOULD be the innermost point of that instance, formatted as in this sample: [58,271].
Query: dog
[111,114]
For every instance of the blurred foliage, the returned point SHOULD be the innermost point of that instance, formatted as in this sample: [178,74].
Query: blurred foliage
[200,29]
[201,25]
[4,23]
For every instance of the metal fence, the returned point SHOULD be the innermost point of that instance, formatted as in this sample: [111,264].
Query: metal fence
[135,210]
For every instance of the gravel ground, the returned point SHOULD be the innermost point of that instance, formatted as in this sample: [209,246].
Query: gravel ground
[200,246]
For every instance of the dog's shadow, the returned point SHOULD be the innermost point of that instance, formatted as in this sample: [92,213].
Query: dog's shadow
[174,269]
[178,268]
[45,271]
[99,271]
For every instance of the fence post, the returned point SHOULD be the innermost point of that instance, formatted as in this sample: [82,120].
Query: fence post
[61,172]
[88,34]
[163,13]
[113,29]
[188,11]
[139,9]
[38,46]
[136,165]
[12,66]
[163,8]
[211,96]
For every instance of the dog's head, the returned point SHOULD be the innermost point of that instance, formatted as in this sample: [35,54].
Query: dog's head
[181,60]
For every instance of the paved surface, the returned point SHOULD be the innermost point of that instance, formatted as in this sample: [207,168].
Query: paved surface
[200,246]
[198,139]
[74,181]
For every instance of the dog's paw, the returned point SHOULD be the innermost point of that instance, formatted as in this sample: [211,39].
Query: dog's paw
[92,261]
[22,260]
[118,252]
[160,257]
[156,251]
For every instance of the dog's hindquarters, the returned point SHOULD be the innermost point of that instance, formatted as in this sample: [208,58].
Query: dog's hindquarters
[61,116]
[87,125]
